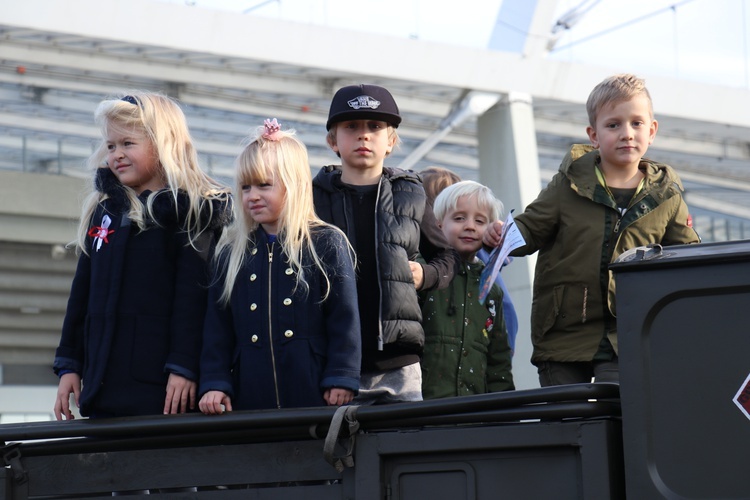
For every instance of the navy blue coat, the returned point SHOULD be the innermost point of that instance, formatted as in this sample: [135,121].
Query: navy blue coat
[276,347]
[136,307]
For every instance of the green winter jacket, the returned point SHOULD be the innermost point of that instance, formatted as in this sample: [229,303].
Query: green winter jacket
[466,344]
[575,225]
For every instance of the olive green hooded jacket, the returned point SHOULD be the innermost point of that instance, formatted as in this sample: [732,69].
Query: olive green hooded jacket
[575,225]
[466,348]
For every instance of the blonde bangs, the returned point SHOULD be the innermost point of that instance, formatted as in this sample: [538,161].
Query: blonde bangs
[253,166]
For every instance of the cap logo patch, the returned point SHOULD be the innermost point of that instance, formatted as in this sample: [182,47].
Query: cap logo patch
[363,101]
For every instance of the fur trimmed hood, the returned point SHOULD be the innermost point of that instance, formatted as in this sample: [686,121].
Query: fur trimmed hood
[166,210]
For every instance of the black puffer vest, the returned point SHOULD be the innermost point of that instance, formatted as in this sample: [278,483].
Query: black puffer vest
[400,206]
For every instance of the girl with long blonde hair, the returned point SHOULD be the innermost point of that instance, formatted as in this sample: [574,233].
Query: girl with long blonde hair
[282,327]
[133,324]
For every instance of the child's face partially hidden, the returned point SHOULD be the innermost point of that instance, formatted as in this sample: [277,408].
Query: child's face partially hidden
[623,132]
[363,144]
[464,227]
[263,203]
[133,159]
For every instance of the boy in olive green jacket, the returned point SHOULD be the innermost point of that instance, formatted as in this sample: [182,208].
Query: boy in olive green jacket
[606,199]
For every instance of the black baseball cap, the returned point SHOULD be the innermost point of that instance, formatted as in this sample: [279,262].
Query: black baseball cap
[357,102]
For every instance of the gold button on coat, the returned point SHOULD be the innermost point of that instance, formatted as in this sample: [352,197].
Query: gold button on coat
[254,338]
[289,271]
[287,301]
[253,277]
[288,334]
[253,306]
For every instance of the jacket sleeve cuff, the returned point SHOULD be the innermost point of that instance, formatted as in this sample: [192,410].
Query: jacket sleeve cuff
[341,382]
[181,371]
[216,385]
[62,366]
[429,277]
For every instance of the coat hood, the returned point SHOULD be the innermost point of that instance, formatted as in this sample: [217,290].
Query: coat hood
[578,163]
[167,211]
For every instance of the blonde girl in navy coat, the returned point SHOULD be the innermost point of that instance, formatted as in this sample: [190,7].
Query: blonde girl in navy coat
[282,326]
[131,336]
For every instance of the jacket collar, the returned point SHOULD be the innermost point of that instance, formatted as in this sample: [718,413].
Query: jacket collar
[166,209]
[579,166]
[329,177]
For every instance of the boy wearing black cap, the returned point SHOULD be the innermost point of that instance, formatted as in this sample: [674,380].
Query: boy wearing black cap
[383,212]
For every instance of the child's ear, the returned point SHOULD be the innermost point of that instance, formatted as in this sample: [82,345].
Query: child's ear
[391,141]
[332,143]
[331,138]
[591,131]
[652,131]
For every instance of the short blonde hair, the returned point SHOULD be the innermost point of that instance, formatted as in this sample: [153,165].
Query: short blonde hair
[435,179]
[447,200]
[613,90]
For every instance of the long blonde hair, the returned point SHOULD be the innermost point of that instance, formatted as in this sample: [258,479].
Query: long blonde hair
[284,160]
[163,122]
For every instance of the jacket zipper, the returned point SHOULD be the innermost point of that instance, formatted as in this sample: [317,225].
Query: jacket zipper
[617,224]
[613,241]
[585,303]
[616,229]
[377,267]
[270,327]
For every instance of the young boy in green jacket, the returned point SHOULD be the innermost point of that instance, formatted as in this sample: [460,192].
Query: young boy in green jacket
[606,199]
[466,343]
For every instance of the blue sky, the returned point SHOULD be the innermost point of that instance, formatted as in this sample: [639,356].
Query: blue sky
[699,40]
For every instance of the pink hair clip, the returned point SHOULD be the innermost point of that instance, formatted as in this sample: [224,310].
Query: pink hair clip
[272,130]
